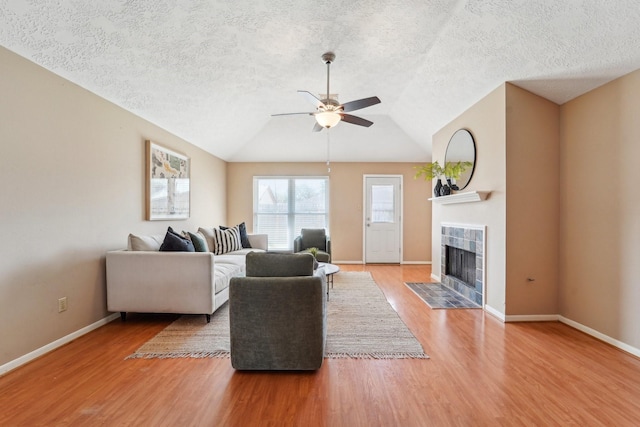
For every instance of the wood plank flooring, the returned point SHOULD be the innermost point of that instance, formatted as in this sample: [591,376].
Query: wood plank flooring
[481,373]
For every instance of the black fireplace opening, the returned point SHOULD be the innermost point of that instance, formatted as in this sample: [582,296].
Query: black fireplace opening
[461,264]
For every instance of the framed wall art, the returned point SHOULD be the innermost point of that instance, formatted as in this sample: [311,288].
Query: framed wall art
[168,184]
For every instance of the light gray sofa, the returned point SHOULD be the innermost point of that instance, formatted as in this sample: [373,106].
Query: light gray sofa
[278,313]
[149,281]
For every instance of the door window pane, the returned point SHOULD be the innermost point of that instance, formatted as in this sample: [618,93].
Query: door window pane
[382,207]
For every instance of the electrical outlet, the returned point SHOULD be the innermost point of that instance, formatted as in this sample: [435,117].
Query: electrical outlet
[62,304]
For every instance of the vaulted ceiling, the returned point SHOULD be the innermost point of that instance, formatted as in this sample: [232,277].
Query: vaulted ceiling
[213,71]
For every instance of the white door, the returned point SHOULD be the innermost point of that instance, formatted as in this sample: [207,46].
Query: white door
[383,226]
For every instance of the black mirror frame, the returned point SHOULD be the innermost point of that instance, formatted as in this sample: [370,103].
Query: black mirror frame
[473,144]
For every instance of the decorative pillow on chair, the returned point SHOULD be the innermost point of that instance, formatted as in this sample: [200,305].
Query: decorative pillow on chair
[173,242]
[226,240]
[243,234]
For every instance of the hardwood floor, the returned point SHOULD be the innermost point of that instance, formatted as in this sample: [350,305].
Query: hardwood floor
[481,373]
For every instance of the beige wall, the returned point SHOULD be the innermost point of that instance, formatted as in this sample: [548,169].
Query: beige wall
[346,198]
[517,159]
[600,215]
[486,121]
[533,203]
[563,209]
[72,185]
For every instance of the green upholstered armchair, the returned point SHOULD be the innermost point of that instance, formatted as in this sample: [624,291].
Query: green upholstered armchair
[278,313]
[314,238]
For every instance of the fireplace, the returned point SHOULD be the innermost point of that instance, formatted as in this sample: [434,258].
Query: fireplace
[461,264]
[462,260]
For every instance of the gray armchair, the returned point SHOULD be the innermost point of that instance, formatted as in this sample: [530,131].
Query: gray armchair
[278,314]
[314,238]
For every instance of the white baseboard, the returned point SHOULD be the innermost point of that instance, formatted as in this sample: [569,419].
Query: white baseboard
[602,337]
[492,311]
[558,318]
[532,318]
[435,277]
[347,262]
[57,343]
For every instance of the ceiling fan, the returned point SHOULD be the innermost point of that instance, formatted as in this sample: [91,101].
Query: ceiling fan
[329,112]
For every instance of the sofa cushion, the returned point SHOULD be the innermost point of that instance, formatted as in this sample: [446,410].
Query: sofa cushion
[226,240]
[244,240]
[224,270]
[230,259]
[173,242]
[271,264]
[244,251]
[145,243]
[198,240]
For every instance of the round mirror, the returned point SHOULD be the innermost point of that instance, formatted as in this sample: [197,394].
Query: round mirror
[460,158]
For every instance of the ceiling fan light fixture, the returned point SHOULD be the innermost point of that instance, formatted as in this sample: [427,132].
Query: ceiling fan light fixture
[327,119]
[329,112]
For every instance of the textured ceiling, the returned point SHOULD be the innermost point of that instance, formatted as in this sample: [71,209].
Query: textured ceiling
[212,72]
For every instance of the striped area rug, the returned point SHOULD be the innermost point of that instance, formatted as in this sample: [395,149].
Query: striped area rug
[361,324]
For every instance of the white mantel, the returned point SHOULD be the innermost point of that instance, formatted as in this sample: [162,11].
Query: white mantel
[467,197]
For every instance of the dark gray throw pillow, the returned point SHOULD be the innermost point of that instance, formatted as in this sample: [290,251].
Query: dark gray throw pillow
[199,243]
[243,234]
[173,242]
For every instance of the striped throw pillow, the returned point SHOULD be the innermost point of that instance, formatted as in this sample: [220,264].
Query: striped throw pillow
[226,240]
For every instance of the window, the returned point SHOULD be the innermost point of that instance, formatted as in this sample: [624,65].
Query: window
[282,206]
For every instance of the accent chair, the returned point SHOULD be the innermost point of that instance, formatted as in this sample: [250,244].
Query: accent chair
[278,313]
[314,238]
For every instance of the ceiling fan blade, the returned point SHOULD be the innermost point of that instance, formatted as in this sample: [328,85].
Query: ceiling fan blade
[360,103]
[291,114]
[311,98]
[317,127]
[355,120]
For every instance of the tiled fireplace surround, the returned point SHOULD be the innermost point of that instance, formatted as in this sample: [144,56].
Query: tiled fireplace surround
[470,238]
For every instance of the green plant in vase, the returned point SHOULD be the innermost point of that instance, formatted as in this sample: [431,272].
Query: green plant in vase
[314,251]
[450,172]
[453,171]
[432,171]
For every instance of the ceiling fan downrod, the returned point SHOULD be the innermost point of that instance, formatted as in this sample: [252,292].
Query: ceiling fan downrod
[328,58]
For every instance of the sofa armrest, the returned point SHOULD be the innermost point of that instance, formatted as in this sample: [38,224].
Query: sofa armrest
[259,241]
[160,282]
